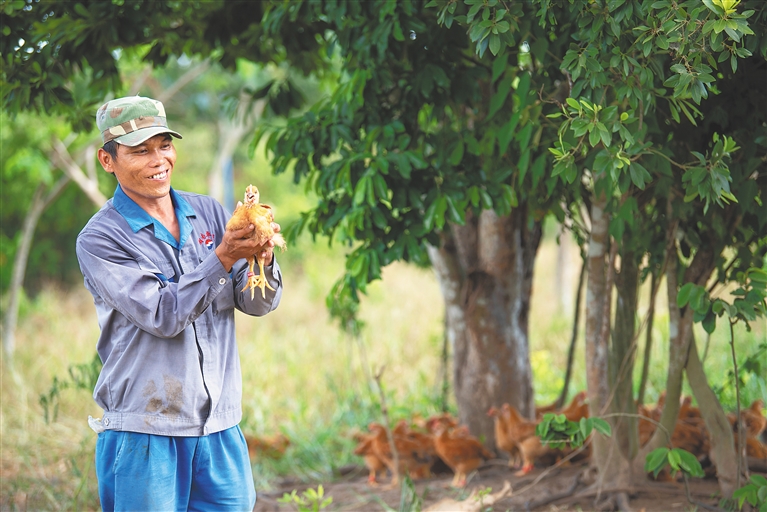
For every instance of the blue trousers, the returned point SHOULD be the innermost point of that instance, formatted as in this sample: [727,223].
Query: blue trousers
[146,472]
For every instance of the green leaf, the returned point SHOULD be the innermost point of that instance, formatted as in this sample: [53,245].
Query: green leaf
[456,216]
[524,163]
[439,212]
[499,98]
[605,135]
[656,459]
[758,275]
[713,7]
[523,136]
[594,137]
[360,190]
[674,459]
[573,103]
[487,201]
[639,175]
[506,133]
[602,427]
[474,196]
[689,463]
[761,495]
[457,154]
[82,11]
[509,195]
[523,88]
[499,65]
[495,44]
[683,296]
[709,323]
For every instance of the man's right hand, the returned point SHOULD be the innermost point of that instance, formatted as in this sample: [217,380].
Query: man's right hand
[237,244]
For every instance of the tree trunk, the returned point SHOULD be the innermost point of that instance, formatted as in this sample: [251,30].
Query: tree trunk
[678,347]
[654,279]
[613,469]
[230,132]
[623,354]
[485,270]
[564,273]
[723,453]
[39,202]
[597,297]
[573,337]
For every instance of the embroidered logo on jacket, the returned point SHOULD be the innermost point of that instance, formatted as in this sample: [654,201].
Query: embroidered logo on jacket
[207,239]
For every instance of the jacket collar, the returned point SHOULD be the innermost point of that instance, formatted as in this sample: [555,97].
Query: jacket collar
[137,218]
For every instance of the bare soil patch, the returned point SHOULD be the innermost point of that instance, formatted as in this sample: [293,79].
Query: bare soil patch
[352,493]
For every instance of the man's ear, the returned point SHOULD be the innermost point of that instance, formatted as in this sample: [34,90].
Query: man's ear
[106,160]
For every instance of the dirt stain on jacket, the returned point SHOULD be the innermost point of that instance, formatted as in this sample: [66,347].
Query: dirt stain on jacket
[173,401]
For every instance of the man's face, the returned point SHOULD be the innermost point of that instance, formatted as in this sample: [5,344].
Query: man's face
[143,171]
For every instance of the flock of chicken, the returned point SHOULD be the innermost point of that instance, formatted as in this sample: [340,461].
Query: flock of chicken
[690,431]
[440,439]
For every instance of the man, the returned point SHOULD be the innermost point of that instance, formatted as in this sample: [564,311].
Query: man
[166,275]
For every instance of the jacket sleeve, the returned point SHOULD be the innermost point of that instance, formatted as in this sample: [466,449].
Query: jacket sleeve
[258,306]
[131,285]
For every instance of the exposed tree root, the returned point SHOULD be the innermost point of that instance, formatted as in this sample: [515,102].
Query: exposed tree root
[613,501]
[609,499]
[529,505]
[696,503]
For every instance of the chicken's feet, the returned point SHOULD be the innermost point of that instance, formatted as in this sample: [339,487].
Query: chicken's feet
[257,281]
[525,470]
[261,281]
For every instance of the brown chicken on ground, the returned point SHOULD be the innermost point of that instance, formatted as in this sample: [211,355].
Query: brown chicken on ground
[754,448]
[373,462]
[503,441]
[577,408]
[522,432]
[414,458]
[267,446]
[261,216]
[462,454]
[753,419]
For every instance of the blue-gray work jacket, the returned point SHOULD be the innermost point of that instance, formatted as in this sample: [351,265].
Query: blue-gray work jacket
[166,313]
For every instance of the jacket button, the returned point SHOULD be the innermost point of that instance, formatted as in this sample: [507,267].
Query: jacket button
[222,281]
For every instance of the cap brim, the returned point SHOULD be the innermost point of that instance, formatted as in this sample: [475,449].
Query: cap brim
[142,135]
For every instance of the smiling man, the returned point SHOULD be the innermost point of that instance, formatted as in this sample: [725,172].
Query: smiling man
[166,277]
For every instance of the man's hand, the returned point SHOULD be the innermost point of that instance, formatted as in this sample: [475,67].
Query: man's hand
[238,244]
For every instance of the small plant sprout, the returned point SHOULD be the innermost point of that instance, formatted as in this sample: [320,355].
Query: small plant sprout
[309,500]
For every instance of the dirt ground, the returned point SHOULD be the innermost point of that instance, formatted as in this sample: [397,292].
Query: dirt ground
[499,490]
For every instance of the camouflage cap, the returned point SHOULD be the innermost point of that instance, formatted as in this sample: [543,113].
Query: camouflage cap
[132,120]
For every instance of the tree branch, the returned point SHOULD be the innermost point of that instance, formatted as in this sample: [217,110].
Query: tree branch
[62,158]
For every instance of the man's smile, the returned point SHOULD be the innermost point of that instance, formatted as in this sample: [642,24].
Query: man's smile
[159,176]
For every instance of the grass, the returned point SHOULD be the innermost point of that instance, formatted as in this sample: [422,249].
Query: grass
[302,376]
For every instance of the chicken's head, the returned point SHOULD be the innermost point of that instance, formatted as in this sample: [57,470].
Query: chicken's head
[251,195]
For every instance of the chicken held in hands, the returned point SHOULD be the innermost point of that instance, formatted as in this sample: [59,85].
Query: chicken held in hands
[261,216]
